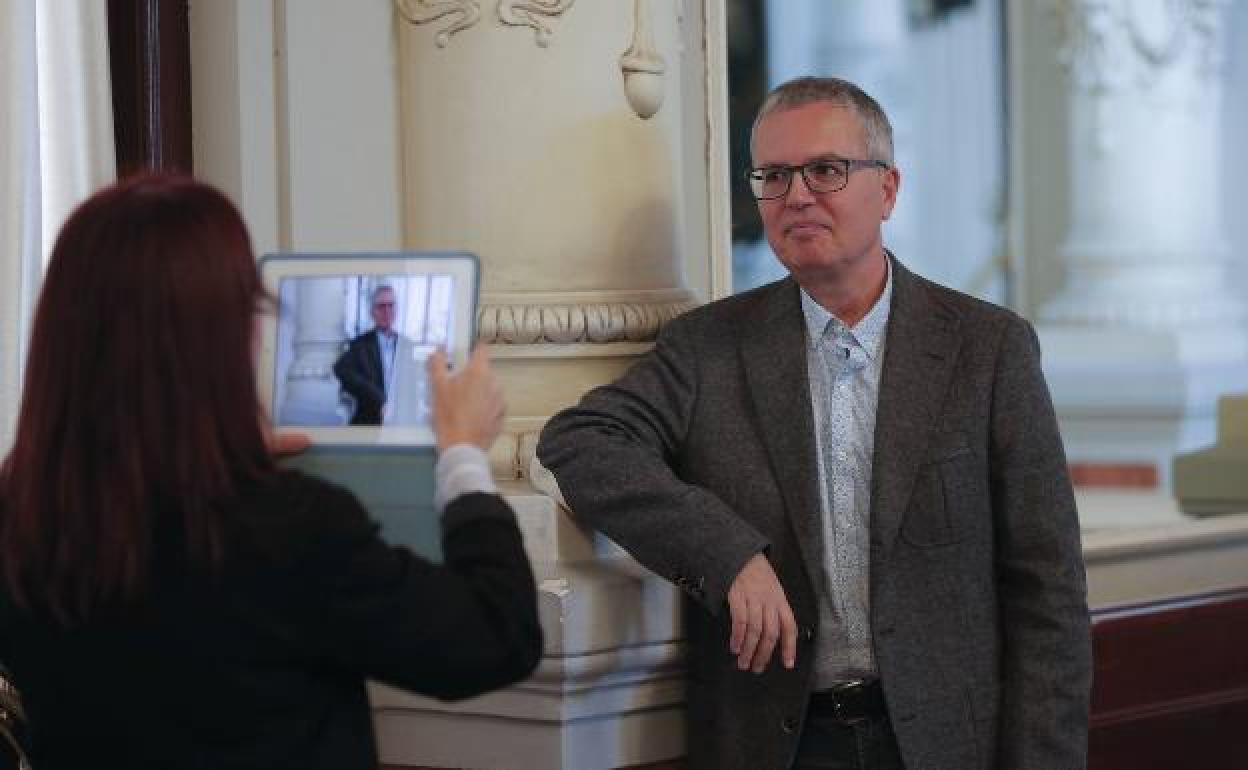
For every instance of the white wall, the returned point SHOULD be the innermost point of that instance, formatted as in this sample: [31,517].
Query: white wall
[295,116]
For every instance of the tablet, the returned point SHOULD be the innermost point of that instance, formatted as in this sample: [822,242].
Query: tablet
[343,356]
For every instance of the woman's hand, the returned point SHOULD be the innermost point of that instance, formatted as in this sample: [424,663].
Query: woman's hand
[286,443]
[468,404]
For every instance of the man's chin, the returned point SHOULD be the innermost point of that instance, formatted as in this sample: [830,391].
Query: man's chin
[799,259]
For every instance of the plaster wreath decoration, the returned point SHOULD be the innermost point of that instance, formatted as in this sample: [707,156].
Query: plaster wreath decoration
[468,13]
[530,13]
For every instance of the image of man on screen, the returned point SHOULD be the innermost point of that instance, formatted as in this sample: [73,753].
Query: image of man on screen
[368,367]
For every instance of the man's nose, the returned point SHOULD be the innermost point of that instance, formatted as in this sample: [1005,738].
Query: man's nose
[799,194]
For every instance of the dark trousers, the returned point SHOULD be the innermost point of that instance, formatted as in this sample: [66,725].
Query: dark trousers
[831,743]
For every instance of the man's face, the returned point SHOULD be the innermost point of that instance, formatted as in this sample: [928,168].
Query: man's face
[383,309]
[822,234]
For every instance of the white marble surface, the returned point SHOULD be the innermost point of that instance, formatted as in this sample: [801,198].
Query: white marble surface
[1118,509]
[1138,547]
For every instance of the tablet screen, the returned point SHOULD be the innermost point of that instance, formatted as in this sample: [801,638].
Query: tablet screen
[343,356]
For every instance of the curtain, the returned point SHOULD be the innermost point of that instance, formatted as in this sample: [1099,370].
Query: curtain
[56,147]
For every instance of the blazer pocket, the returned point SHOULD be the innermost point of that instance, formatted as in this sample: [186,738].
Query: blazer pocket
[943,498]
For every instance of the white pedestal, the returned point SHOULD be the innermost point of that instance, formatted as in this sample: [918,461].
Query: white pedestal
[609,691]
[1127,395]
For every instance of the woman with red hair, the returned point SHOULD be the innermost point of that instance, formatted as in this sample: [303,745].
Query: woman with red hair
[168,597]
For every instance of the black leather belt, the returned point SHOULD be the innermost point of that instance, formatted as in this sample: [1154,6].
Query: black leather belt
[850,702]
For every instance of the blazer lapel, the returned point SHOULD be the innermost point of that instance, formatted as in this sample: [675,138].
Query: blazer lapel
[922,345]
[773,357]
[373,346]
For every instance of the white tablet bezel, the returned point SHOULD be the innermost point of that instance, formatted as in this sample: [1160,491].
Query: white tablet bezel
[275,267]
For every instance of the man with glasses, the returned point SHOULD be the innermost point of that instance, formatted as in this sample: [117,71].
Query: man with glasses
[368,366]
[856,477]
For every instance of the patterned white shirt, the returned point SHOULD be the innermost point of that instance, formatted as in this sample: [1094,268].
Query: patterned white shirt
[844,367]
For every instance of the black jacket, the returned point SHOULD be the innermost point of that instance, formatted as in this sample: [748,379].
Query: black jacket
[360,372]
[264,666]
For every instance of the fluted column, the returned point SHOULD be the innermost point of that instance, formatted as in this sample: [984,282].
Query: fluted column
[310,389]
[1146,245]
[1146,331]
[566,143]
[541,136]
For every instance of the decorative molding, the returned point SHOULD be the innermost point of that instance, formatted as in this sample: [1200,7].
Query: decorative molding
[1106,48]
[515,449]
[427,11]
[526,13]
[586,318]
[643,66]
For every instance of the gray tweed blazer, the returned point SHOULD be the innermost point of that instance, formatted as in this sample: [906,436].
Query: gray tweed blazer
[703,454]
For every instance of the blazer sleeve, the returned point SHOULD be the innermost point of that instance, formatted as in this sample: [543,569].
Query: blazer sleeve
[449,630]
[1047,663]
[615,455]
[349,369]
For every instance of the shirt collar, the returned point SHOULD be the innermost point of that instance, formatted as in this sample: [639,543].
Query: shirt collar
[868,332]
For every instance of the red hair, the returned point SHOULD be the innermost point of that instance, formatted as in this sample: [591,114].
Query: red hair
[139,409]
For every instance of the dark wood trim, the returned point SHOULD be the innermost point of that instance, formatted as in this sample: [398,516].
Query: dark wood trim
[1109,612]
[1171,684]
[150,62]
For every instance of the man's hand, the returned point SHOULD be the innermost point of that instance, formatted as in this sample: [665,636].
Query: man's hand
[761,617]
[467,405]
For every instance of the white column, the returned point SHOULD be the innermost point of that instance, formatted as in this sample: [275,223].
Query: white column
[1146,331]
[1146,246]
[310,389]
[521,144]
[566,144]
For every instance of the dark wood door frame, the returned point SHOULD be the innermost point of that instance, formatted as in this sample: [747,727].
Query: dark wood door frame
[150,63]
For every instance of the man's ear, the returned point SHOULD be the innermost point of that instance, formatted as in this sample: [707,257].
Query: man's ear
[890,184]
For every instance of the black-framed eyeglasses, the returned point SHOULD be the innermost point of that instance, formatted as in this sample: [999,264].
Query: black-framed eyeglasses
[824,175]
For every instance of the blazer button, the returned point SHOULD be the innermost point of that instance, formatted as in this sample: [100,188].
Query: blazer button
[789,725]
[807,634]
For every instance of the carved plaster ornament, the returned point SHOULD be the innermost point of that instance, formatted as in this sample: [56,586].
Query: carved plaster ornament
[526,13]
[566,324]
[426,11]
[1112,46]
[643,66]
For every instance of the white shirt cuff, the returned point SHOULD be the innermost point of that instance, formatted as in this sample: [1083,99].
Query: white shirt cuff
[461,469]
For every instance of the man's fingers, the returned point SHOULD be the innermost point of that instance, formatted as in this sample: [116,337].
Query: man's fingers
[767,641]
[788,636]
[753,632]
[737,637]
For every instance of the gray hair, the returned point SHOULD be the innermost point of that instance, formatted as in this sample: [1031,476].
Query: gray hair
[372,296]
[842,93]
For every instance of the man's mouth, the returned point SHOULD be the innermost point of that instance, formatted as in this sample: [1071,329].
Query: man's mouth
[805,228]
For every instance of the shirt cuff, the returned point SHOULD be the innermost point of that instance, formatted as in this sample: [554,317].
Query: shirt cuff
[461,469]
